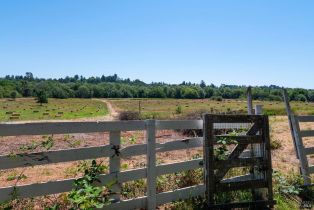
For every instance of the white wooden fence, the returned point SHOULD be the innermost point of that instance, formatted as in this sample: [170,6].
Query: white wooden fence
[115,128]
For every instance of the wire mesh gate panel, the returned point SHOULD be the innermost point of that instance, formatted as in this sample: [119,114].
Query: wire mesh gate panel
[238,171]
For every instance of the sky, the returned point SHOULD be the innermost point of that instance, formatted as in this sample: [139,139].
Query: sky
[243,42]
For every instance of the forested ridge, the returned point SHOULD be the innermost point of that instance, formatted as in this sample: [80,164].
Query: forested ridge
[116,87]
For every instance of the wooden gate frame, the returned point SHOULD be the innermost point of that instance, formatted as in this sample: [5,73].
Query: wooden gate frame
[297,135]
[215,170]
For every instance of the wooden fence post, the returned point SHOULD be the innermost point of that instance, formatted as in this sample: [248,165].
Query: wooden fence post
[151,164]
[249,101]
[259,194]
[208,145]
[114,163]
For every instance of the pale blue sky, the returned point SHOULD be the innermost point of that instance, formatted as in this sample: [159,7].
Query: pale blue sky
[252,42]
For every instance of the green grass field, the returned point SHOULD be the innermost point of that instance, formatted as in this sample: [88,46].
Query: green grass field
[166,108]
[28,109]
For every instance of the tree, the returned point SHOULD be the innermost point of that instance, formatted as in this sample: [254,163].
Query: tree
[29,76]
[13,95]
[202,84]
[84,92]
[41,97]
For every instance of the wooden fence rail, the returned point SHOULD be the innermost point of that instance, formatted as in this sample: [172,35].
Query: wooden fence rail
[115,128]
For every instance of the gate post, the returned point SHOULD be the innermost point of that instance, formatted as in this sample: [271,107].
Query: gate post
[114,163]
[208,148]
[151,164]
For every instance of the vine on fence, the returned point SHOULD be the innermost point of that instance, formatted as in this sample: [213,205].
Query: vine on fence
[88,193]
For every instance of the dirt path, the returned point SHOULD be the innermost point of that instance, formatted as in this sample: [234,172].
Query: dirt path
[113,114]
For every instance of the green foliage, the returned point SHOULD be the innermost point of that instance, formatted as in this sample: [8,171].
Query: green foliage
[42,97]
[217,98]
[46,144]
[13,95]
[178,109]
[115,87]
[87,193]
[287,186]
[221,152]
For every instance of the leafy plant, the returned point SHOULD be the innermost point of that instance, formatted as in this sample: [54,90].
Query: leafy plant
[47,144]
[287,187]
[221,152]
[87,193]
[179,110]
[29,147]
[132,140]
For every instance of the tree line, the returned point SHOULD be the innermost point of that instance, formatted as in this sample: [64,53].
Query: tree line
[116,87]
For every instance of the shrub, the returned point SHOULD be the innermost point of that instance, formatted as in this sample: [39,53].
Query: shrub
[129,115]
[216,98]
[42,97]
[13,95]
[178,110]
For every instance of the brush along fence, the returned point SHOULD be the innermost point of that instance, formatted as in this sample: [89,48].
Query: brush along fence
[114,152]
[223,152]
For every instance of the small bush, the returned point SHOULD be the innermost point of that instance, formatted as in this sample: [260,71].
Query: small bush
[178,110]
[129,115]
[216,98]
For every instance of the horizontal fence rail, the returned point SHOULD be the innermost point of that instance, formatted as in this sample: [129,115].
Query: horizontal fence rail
[115,128]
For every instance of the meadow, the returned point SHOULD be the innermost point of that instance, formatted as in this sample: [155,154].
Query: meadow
[55,109]
[174,108]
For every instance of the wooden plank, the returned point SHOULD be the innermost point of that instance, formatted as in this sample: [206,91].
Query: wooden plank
[223,187]
[180,166]
[114,163]
[162,198]
[47,128]
[54,187]
[290,119]
[308,133]
[257,139]
[151,164]
[236,118]
[178,124]
[300,150]
[135,203]
[133,150]
[309,150]
[239,162]
[305,118]
[238,178]
[56,156]
[180,144]
[180,194]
